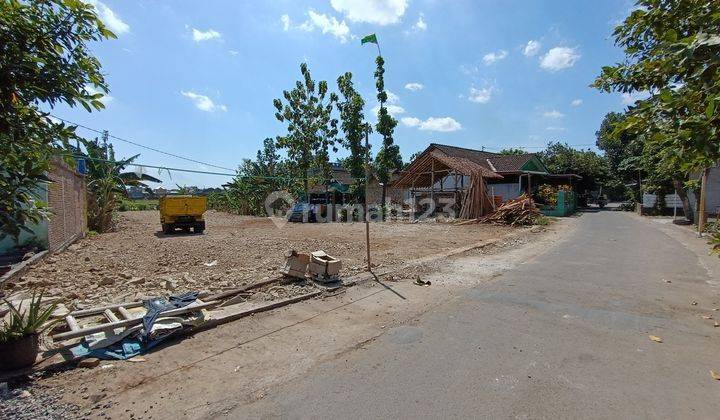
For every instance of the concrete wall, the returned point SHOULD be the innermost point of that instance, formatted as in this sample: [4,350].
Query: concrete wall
[712,201]
[40,230]
[67,201]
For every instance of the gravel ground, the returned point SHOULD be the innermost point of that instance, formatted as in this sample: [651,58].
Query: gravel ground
[138,261]
[32,400]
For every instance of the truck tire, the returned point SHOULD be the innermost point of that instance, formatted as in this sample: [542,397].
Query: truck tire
[167,228]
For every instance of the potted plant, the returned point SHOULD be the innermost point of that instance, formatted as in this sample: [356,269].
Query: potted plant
[20,335]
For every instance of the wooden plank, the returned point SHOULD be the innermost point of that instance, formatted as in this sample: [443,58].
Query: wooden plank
[129,322]
[124,312]
[110,315]
[72,323]
[101,309]
[227,314]
[231,293]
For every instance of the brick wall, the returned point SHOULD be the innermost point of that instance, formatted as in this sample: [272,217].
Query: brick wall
[66,198]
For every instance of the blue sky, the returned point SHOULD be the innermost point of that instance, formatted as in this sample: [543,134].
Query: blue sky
[198,78]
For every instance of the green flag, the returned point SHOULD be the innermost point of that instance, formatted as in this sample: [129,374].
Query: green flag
[369,38]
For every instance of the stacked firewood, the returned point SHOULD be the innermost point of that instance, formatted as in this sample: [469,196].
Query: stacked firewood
[518,211]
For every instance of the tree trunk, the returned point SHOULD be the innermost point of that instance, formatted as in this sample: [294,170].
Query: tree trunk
[685,201]
[382,202]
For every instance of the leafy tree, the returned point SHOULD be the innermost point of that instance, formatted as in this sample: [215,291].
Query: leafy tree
[512,151]
[672,50]
[388,158]
[412,159]
[255,181]
[352,122]
[44,59]
[622,153]
[106,183]
[562,159]
[311,130]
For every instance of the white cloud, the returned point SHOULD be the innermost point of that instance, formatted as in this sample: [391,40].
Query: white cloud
[410,121]
[420,25]
[92,90]
[285,19]
[480,96]
[493,57]
[414,86]
[559,58]
[391,97]
[531,48]
[233,52]
[393,110]
[555,128]
[330,25]
[442,124]
[326,24]
[576,102]
[554,114]
[631,98]
[202,102]
[381,12]
[109,18]
[200,36]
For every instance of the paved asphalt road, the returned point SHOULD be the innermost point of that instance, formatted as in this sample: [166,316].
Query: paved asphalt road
[564,335]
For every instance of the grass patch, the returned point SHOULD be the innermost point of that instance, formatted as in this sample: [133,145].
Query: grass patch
[136,205]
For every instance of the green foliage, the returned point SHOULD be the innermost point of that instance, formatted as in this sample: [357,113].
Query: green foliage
[563,159]
[622,151]
[548,194]
[137,205]
[672,50]
[388,158]
[512,151]
[26,322]
[255,181]
[44,59]
[311,130]
[106,183]
[355,128]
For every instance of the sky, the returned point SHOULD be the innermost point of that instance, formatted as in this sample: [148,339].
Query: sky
[198,79]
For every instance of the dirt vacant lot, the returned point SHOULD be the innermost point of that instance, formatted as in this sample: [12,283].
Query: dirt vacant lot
[138,261]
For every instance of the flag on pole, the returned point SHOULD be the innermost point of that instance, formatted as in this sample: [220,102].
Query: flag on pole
[369,38]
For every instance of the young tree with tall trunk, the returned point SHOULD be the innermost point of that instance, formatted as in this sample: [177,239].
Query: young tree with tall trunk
[311,130]
[388,158]
[352,122]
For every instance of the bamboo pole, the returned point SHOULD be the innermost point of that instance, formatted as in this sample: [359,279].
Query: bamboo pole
[702,215]
[367,209]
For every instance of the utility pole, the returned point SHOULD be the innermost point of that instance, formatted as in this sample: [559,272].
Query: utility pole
[367,208]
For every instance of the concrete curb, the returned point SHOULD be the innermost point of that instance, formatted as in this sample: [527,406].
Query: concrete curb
[21,267]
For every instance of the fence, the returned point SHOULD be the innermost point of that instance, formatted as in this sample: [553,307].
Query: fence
[566,205]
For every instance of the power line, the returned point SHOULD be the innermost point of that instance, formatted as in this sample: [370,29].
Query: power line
[166,168]
[141,145]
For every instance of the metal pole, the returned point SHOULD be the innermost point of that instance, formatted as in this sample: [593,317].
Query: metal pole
[367,209]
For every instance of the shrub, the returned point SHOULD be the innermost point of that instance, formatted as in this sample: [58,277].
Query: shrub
[28,322]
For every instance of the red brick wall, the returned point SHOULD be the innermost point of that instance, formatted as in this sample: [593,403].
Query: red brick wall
[66,198]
